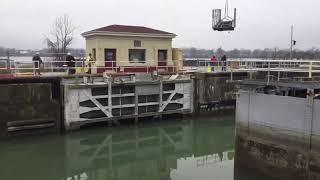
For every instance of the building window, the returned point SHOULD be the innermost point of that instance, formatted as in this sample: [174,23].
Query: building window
[94,54]
[137,43]
[137,55]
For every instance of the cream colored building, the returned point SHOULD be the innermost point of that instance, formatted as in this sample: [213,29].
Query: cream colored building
[129,48]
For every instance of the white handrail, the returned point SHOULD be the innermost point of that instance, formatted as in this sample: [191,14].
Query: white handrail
[114,65]
[272,60]
[256,65]
[3,65]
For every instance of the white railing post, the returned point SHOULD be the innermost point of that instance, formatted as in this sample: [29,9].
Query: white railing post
[268,73]
[197,64]
[278,75]
[15,68]
[310,70]
[231,74]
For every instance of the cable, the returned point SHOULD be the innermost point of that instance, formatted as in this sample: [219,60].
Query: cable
[226,9]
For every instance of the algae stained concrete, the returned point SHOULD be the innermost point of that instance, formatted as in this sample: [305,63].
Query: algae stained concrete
[278,135]
[25,107]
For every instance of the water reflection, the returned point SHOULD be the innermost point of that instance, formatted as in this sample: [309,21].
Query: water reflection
[205,167]
[199,149]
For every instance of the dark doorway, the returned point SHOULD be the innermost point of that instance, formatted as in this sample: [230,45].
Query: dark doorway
[110,58]
[162,57]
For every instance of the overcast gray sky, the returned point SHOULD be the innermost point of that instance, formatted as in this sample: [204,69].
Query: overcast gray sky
[261,23]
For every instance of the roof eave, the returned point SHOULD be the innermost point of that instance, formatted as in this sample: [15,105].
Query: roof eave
[128,34]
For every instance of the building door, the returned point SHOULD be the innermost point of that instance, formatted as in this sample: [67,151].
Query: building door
[110,58]
[162,57]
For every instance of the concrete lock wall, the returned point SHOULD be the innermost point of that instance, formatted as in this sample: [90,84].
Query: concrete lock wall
[211,89]
[90,103]
[316,118]
[278,135]
[275,111]
[215,88]
[29,107]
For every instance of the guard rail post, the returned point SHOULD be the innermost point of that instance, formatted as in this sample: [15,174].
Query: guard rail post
[268,73]
[310,70]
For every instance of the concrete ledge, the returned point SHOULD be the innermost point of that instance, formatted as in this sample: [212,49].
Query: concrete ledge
[103,84]
[36,79]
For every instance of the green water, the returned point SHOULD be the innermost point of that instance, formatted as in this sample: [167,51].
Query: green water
[199,149]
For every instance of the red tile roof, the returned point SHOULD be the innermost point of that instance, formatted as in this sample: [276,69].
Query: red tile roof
[129,29]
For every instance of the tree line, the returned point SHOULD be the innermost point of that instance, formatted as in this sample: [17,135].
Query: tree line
[4,52]
[267,53]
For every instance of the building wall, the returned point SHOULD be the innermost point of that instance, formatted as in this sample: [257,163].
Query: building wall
[123,44]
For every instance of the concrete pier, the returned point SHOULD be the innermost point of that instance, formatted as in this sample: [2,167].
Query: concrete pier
[278,129]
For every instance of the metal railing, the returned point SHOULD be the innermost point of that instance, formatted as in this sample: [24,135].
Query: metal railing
[82,66]
[278,65]
[117,66]
[3,65]
[202,64]
[255,65]
[198,64]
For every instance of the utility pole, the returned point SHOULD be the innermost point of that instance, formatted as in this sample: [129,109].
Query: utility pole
[291,42]
[275,53]
[8,61]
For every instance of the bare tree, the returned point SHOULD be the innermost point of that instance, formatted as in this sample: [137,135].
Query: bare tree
[61,36]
